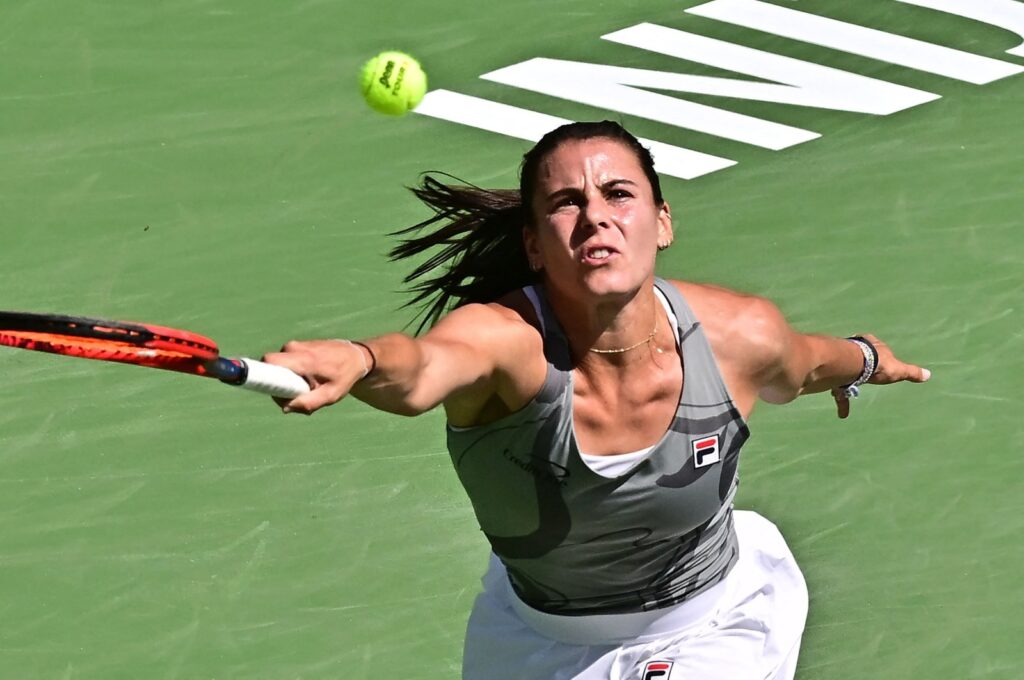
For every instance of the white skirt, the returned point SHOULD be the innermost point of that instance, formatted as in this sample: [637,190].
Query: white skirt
[746,628]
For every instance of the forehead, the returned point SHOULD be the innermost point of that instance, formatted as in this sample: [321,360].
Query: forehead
[598,160]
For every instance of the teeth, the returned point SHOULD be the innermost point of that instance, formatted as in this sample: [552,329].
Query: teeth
[600,253]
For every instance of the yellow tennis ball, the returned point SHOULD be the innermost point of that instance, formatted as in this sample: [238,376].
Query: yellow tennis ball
[393,83]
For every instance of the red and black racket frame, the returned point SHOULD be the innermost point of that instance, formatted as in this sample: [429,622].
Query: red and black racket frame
[196,354]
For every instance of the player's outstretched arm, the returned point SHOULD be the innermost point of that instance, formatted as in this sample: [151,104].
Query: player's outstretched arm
[794,363]
[469,357]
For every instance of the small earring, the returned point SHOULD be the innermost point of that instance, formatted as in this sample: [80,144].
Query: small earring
[534,267]
[663,246]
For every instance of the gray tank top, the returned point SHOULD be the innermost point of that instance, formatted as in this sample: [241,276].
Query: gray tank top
[575,542]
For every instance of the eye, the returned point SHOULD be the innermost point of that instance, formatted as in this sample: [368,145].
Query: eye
[566,202]
[619,194]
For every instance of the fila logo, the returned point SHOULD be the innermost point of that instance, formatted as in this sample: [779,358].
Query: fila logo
[706,451]
[657,669]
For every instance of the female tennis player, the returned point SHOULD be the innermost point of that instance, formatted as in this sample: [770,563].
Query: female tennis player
[595,417]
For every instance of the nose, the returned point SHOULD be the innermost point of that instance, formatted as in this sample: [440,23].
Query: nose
[596,213]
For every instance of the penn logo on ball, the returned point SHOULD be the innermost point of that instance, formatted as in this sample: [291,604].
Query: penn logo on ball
[393,83]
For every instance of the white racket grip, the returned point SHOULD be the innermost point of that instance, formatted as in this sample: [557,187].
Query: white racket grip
[277,381]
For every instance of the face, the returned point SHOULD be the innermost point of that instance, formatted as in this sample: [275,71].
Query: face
[596,226]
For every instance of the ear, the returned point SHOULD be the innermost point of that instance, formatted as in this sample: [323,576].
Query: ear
[665,233]
[532,248]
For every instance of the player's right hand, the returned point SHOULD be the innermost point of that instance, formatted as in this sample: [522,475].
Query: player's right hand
[331,367]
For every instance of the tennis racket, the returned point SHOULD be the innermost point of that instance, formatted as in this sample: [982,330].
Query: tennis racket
[144,345]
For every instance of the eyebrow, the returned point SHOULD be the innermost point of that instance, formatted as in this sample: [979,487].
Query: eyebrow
[604,187]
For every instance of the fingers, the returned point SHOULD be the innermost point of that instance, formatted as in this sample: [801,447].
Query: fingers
[309,403]
[313,401]
[890,369]
[842,403]
[292,358]
[918,374]
[324,364]
[297,361]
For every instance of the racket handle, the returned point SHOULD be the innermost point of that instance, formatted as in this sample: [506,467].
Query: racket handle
[277,381]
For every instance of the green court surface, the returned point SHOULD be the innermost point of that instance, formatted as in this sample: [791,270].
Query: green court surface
[209,164]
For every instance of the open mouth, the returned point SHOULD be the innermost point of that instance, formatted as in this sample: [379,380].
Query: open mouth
[597,254]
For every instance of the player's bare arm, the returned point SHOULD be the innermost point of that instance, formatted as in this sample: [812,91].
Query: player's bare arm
[764,357]
[480,357]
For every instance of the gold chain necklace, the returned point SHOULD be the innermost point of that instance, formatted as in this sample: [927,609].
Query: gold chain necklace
[626,349]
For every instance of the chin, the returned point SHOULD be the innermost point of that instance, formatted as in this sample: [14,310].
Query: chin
[607,283]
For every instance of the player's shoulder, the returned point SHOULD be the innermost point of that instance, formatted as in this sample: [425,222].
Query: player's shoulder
[736,323]
[511,317]
[516,306]
[712,303]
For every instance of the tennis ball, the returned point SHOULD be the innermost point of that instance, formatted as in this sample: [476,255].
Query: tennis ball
[393,83]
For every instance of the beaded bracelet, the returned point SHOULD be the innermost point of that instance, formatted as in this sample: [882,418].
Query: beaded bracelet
[852,391]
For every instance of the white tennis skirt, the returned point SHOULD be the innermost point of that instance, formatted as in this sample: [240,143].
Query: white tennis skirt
[746,628]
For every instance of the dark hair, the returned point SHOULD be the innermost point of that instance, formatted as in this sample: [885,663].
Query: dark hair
[482,256]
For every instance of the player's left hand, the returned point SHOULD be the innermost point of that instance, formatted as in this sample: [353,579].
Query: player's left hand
[889,370]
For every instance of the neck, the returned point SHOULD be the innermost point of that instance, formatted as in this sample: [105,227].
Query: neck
[610,331]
